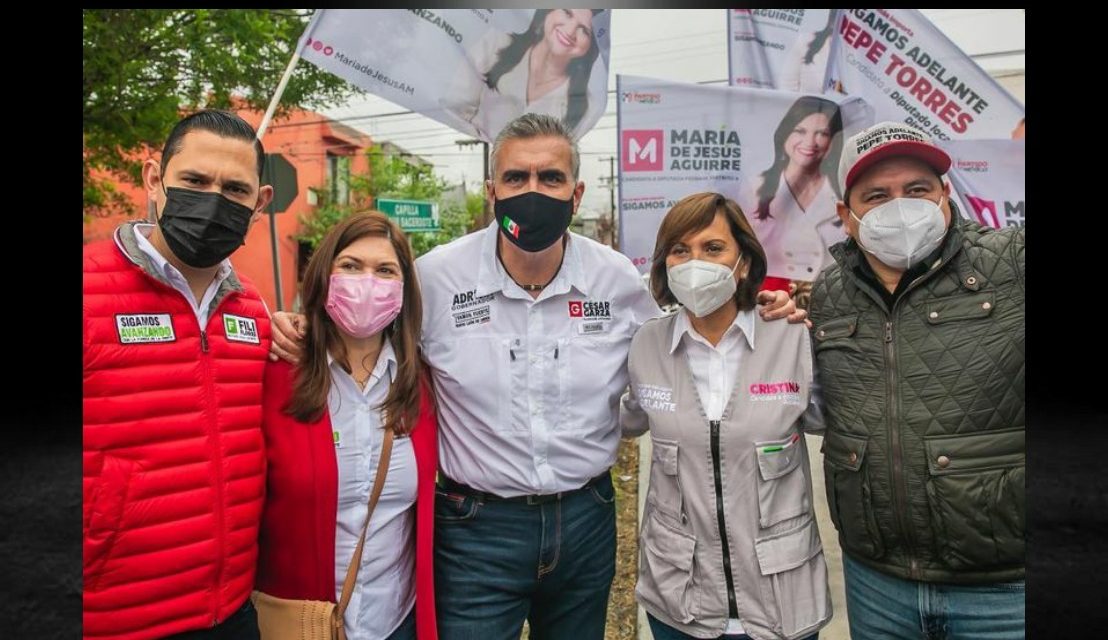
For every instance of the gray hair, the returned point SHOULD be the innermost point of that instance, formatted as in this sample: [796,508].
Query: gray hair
[534,125]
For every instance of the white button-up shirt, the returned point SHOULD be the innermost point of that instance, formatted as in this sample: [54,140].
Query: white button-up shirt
[385,589]
[177,279]
[528,389]
[714,367]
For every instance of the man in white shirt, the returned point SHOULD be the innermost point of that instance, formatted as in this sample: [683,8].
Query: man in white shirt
[526,330]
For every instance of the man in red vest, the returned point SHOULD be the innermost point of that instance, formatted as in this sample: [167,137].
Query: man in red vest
[174,349]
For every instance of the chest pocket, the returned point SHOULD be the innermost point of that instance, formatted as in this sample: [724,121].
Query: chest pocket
[587,369]
[782,485]
[838,333]
[961,307]
[665,487]
[479,369]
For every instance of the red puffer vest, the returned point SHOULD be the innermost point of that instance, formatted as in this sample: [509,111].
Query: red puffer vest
[174,461]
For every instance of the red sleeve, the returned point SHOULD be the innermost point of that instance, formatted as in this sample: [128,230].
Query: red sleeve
[775,284]
[426,445]
[296,546]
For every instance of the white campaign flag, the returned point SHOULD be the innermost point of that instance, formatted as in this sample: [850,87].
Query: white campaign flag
[910,72]
[472,69]
[988,176]
[787,49]
[776,153]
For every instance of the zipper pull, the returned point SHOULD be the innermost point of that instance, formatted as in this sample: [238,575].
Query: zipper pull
[203,341]
[889,331]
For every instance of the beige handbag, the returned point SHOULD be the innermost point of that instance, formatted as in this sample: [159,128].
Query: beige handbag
[284,619]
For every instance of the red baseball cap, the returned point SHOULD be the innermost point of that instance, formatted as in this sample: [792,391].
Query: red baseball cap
[885,140]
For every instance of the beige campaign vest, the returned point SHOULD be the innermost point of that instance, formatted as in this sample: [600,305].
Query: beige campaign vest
[776,559]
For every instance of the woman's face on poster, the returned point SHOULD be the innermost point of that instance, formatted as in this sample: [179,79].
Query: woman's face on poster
[809,140]
[568,32]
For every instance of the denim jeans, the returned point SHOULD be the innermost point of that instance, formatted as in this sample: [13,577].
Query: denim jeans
[500,563]
[662,631]
[881,606]
[240,625]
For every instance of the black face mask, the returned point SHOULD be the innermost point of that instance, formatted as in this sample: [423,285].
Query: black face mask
[533,221]
[202,228]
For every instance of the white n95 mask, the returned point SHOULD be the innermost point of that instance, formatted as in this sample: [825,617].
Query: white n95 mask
[903,231]
[702,286]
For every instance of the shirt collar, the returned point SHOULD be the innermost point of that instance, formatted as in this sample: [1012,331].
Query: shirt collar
[386,361]
[743,322]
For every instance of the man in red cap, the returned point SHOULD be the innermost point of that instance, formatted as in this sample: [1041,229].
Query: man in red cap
[918,331]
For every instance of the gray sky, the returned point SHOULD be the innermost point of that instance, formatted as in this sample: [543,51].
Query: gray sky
[686,45]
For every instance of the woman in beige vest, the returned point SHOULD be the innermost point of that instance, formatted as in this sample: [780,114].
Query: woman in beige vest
[729,546]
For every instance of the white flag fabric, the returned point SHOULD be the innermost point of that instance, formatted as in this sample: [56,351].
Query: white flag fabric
[989,177]
[776,153]
[910,72]
[472,69]
[787,49]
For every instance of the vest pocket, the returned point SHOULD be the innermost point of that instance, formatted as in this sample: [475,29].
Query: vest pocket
[792,562]
[108,498]
[849,498]
[976,497]
[665,488]
[782,489]
[665,569]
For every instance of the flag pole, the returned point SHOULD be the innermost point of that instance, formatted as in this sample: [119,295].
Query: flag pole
[288,74]
[261,132]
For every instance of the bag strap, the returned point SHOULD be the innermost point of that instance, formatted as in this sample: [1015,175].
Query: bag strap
[356,561]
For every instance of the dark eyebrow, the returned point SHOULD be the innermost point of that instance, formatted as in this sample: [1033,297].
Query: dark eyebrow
[192,173]
[922,182]
[189,173]
[514,173]
[547,174]
[245,186]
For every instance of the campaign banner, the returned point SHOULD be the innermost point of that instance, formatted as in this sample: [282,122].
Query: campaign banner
[471,69]
[989,178]
[787,49]
[776,153]
[910,72]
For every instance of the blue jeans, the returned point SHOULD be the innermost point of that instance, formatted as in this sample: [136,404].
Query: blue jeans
[500,563]
[662,631]
[881,606]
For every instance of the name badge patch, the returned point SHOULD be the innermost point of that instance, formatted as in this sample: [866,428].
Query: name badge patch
[239,329]
[142,328]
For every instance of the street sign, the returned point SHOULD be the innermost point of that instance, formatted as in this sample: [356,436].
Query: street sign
[413,216]
[278,172]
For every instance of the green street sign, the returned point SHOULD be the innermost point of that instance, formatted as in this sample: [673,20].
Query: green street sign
[413,216]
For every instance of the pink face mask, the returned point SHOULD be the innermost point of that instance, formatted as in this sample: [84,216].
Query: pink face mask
[362,305]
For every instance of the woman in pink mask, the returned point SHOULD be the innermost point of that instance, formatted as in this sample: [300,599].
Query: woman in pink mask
[357,397]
